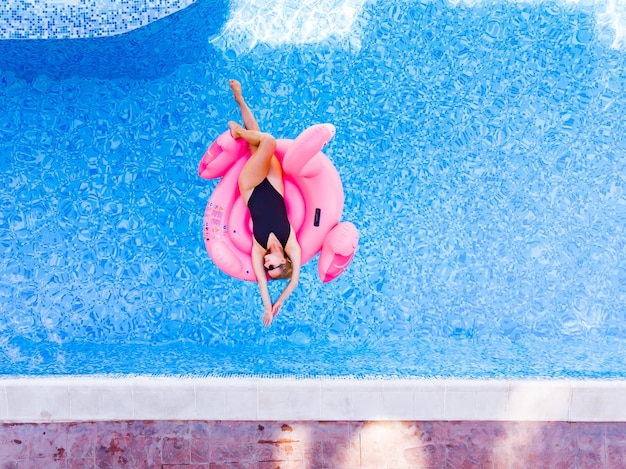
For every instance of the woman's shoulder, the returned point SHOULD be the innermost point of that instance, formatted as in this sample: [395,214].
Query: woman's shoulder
[292,243]
[257,248]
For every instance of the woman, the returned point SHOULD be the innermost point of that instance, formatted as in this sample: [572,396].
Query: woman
[275,250]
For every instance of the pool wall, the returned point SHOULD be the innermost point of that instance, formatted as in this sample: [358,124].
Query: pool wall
[72,19]
[251,399]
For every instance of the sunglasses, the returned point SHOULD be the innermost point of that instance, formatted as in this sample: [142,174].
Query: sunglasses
[271,267]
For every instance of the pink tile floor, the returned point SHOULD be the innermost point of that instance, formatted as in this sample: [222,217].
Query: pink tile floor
[327,445]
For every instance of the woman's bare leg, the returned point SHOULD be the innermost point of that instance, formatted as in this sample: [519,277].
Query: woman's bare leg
[260,162]
[249,121]
[253,137]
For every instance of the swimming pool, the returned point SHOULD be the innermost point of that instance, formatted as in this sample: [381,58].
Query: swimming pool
[482,149]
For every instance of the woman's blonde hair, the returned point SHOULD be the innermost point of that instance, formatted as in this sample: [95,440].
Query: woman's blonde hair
[286,269]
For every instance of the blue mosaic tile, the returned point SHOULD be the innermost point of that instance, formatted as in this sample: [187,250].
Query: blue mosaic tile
[483,155]
[73,19]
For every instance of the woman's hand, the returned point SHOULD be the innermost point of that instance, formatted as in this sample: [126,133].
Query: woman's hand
[268,316]
[270,313]
[276,307]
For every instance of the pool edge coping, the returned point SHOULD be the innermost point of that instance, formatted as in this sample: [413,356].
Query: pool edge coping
[86,398]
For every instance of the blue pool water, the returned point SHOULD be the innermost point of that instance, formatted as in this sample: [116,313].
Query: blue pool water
[483,154]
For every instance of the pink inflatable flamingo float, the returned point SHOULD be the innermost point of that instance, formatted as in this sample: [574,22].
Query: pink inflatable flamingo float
[313,195]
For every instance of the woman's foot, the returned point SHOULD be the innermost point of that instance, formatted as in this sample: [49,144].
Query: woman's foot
[235,86]
[235,129]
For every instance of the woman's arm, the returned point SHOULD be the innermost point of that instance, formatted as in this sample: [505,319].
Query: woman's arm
[294,252]
[259,272]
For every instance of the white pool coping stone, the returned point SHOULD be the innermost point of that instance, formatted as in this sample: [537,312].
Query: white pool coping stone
[71,399]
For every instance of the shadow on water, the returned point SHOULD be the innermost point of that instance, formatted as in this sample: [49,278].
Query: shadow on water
[149,52]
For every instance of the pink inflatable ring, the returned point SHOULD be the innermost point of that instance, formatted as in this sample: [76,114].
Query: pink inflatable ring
[313,196]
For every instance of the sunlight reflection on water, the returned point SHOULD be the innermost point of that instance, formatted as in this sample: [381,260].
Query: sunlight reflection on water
[289,22]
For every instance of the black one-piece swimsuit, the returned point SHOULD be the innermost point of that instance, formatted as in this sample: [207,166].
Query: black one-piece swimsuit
[269,214]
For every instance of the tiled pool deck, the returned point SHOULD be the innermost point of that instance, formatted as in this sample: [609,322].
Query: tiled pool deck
[301,444]
[282,423]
